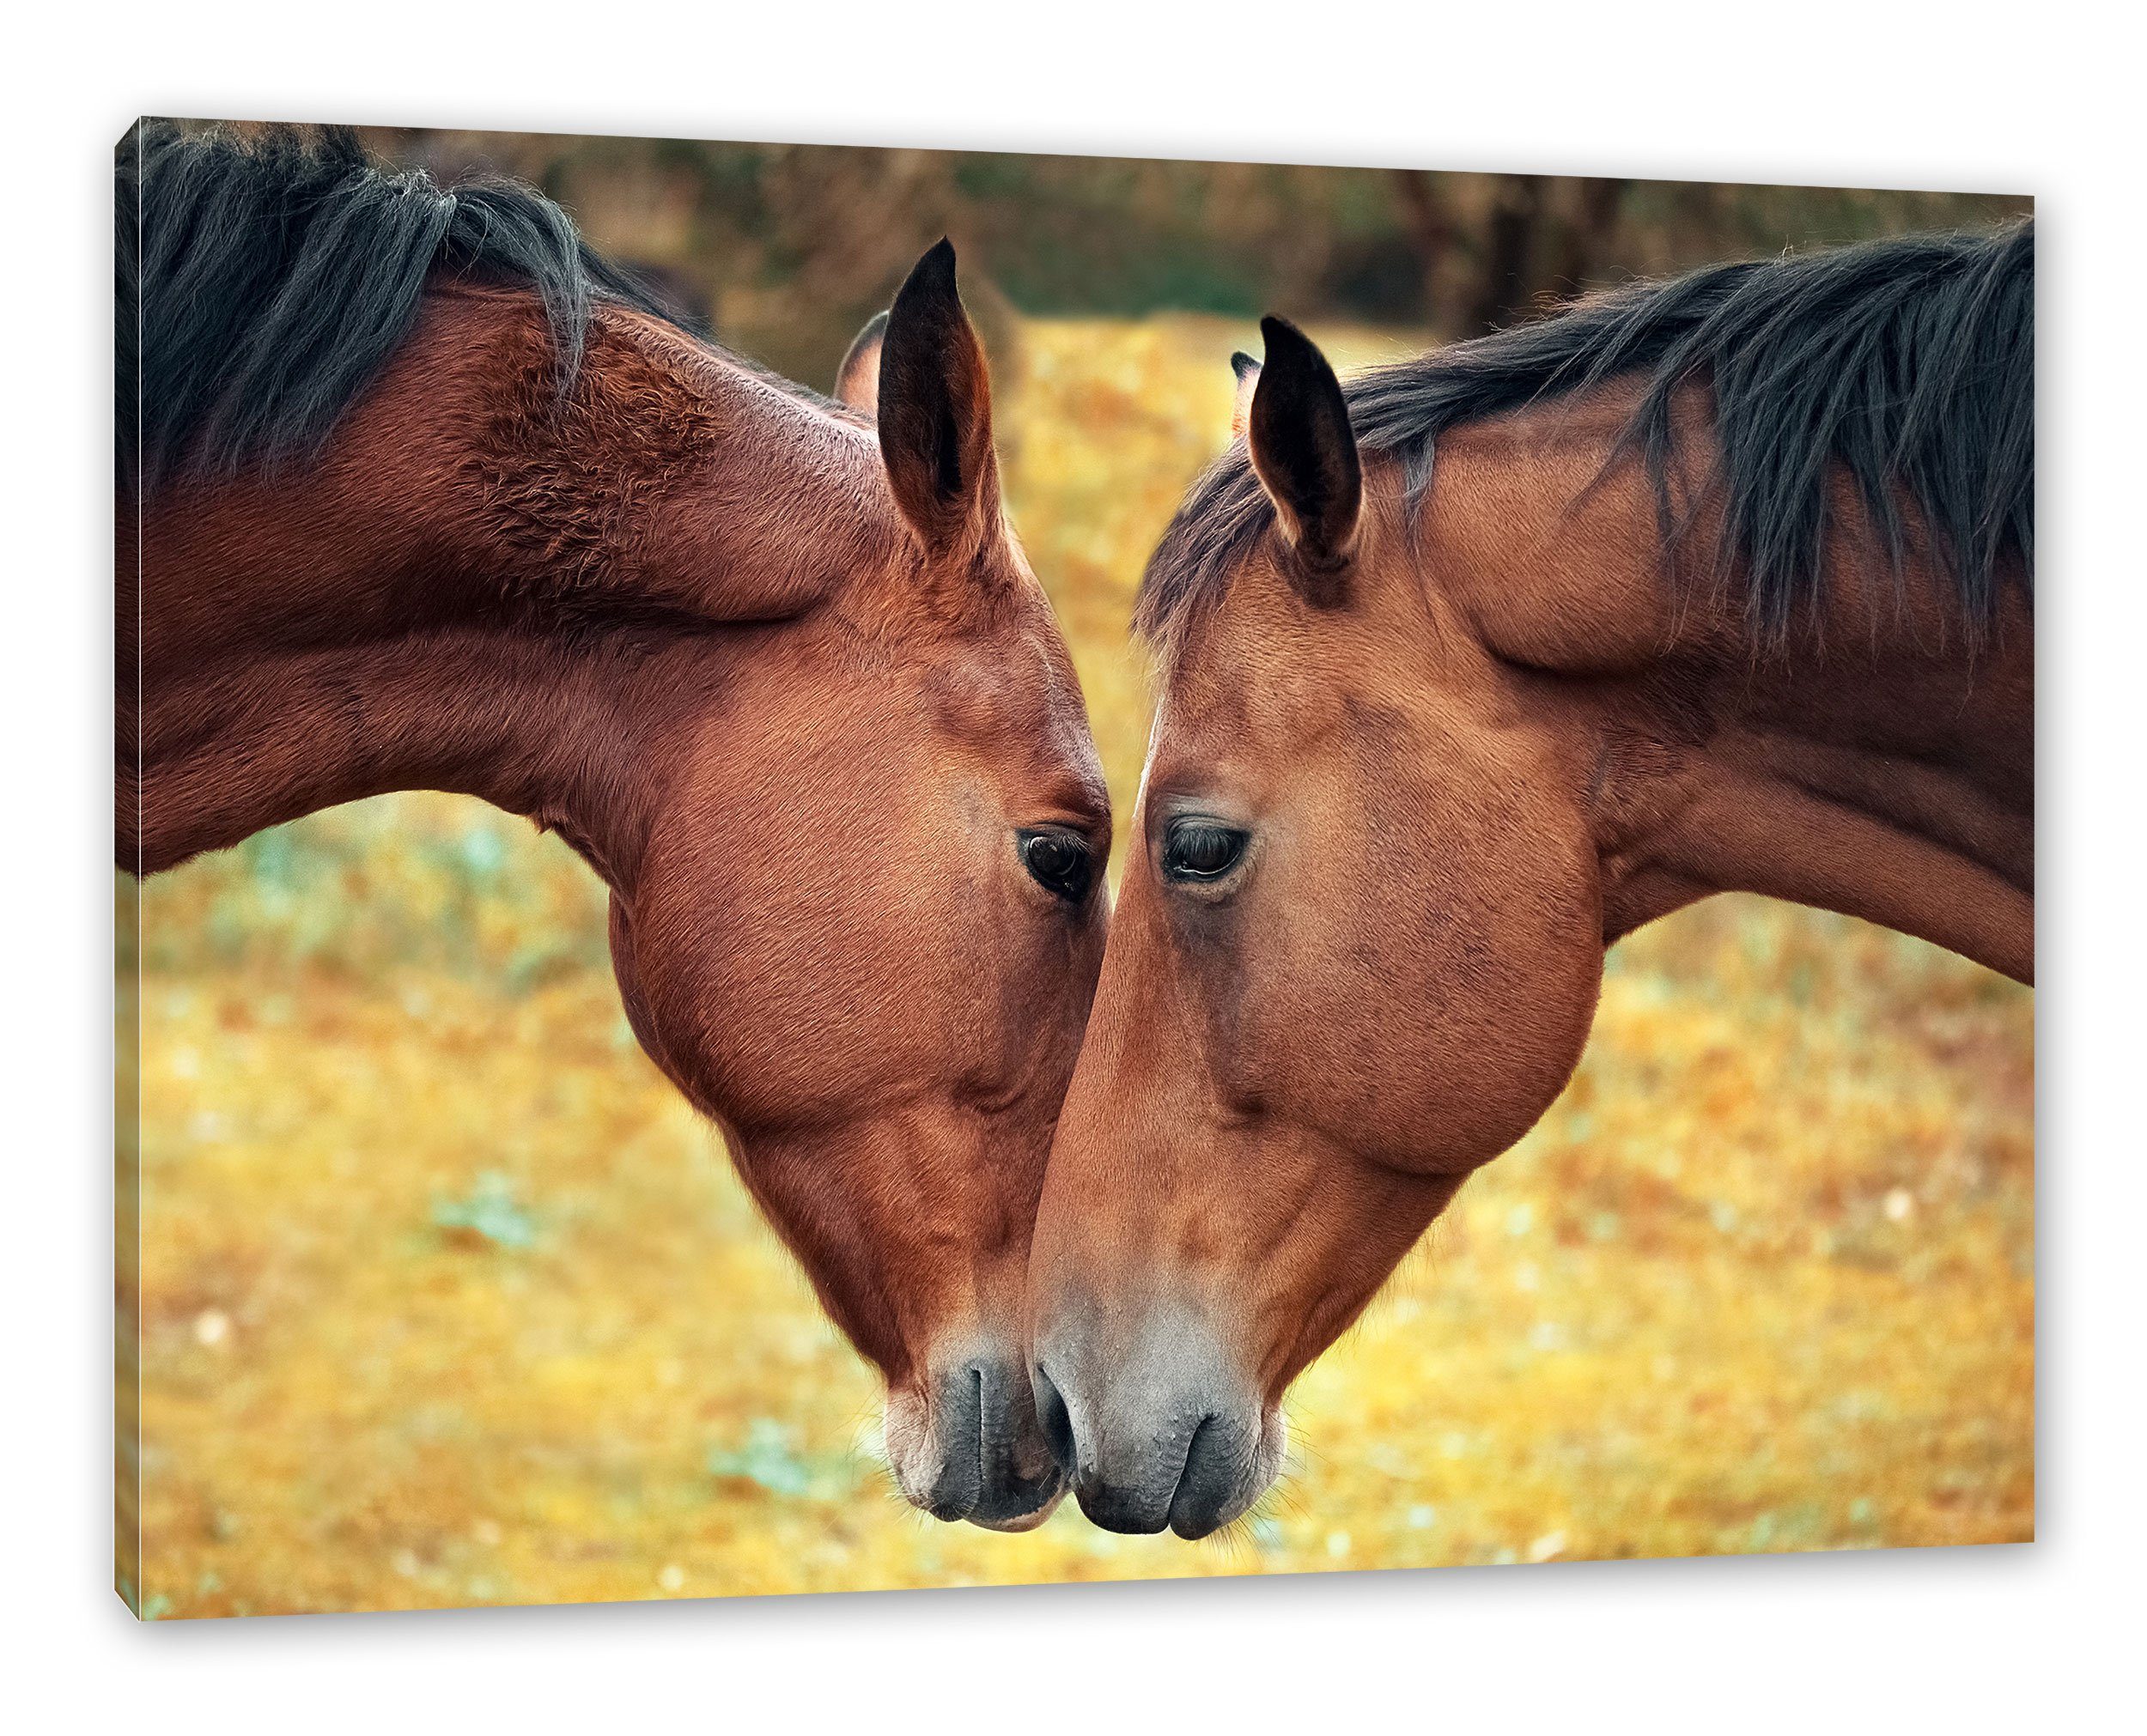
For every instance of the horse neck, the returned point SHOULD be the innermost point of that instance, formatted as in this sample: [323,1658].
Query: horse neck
[1883,777]
[469,591]
[1879,763]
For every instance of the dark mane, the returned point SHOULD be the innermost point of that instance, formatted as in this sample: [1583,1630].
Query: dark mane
[263,281]
[1909,362]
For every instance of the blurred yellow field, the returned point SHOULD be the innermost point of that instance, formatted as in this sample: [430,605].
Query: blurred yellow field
[447,1298]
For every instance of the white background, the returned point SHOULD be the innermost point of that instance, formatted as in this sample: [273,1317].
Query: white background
[2037,98]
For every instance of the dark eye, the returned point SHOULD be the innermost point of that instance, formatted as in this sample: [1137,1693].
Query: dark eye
[1202,850]
[1058,862]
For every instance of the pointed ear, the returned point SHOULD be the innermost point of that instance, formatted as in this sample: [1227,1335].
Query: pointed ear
[857,381]
[935,413]
[1248,372]
[1305,455]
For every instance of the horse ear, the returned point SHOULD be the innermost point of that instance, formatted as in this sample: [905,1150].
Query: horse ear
[1247,369]
[857,381]
[935,412]
[1305,455]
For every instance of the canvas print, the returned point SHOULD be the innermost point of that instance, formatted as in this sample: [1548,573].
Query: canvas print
[852,869]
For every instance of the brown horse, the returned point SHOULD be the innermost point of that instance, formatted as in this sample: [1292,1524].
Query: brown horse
[431,497]
[1719,584]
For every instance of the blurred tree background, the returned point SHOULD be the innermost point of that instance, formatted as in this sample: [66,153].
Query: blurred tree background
[785,250]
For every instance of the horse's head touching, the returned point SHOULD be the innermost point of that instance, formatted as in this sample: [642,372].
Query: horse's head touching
[483,520]
[1338,868]
[868,916]
[868,919]
[1430,737]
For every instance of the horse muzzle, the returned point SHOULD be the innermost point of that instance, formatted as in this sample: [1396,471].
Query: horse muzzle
[1165,1436]
[964,1443]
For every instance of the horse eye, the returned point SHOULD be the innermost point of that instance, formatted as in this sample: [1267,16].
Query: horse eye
[1058,862]
[1202,850]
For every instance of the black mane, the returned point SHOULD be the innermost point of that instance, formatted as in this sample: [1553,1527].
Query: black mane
[263,282]
[1910,362]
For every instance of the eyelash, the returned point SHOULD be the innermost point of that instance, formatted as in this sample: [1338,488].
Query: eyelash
[1202,852]
[1070,880]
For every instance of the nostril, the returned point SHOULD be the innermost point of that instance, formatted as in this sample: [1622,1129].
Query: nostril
[1206,1481]
[1053,1417]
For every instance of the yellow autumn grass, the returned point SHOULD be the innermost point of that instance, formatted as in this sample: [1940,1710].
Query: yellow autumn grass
[447,1299]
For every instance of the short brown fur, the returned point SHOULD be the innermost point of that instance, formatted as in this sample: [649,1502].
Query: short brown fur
[681,620]
[1525,734]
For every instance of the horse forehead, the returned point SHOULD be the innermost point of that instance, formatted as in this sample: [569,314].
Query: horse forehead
[1246,677]
[1016,688]
[1248,701]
